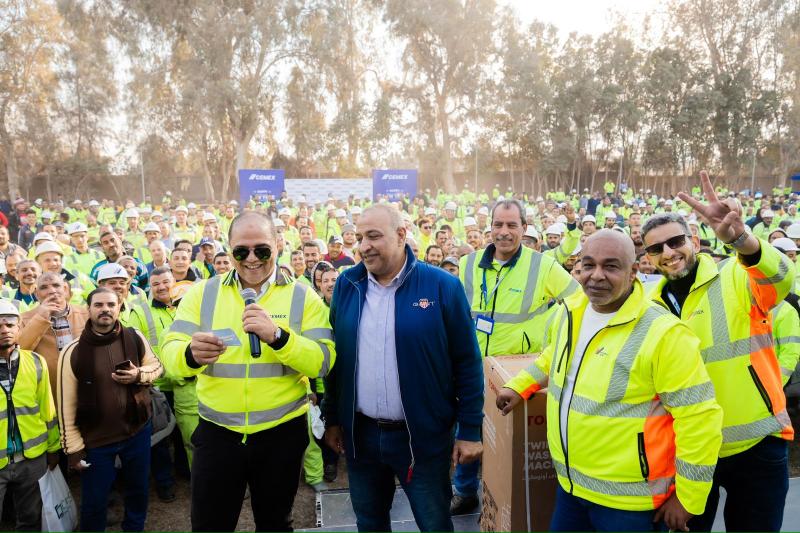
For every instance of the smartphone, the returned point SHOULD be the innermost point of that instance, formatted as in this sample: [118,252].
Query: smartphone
[125,365]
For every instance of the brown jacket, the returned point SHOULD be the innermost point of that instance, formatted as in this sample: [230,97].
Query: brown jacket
[36,333]
[111,397]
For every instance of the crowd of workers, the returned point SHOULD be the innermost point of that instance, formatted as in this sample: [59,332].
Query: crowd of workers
[667,327]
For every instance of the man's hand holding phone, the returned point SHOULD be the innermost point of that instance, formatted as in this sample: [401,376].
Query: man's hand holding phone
[125,373]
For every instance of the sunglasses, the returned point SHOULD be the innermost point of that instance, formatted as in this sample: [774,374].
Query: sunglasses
[262,251]
[673,243]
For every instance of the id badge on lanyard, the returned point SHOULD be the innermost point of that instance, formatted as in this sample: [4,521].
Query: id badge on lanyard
[483,322]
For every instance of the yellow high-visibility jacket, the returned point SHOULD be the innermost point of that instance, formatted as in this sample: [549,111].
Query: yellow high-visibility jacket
[643,421]
[516,296]
[728,308]
[33,407]
[240,392]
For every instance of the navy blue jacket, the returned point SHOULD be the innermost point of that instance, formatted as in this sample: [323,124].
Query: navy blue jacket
[438,359]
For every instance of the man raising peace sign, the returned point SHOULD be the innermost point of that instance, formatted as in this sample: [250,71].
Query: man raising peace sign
[727,305]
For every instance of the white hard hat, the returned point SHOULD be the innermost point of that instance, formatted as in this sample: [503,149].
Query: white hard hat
[450,206]
[589,218]
[94,203]
[340,213]
[191,205]
[146,209]
[48,246]
[278,223]
[77,227]
[430,211]
[152,226]
[132,213]
[42,236]
[483,211]
[7,308]
[530,231]
[356,210]
[209,217]
[111,271]
[553,229]
[767,213]
[611,214]
[469,221]
[157,214]
[785,244]
[561,219]
[668,202]
[793,231]
[181,208]
[284,211]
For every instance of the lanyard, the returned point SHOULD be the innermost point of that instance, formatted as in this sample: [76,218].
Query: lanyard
[488,296]
[675,303]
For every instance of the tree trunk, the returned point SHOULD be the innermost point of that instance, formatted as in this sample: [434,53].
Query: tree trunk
[447,170]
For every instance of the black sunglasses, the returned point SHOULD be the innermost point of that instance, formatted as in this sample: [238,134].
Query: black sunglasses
[673,242]
[262,251]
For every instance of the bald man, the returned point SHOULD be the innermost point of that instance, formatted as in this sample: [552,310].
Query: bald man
[634,437]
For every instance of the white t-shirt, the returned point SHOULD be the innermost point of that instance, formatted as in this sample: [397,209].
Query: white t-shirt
[592,323]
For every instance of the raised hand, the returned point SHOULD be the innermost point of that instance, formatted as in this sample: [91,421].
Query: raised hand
[724,216]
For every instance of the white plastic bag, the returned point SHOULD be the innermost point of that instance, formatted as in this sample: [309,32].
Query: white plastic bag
[317,425]
[59,512]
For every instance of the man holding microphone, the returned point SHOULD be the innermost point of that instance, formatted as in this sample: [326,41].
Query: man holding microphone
[251,351]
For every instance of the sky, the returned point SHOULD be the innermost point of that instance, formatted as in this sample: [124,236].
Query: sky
[584,16]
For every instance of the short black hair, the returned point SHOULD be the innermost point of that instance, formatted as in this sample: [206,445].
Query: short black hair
[309,244]
[220,254]
[100,290]
[160,270]
[181,241]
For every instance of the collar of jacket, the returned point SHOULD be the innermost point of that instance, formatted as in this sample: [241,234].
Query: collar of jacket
[635,305]
[707,270]
[358,274]
[488,257]
[280,277]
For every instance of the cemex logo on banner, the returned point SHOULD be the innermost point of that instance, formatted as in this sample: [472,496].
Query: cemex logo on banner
[394,183]
[260,183]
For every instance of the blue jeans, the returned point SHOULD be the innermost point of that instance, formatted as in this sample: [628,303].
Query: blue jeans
[383,455]
[161,464]
[96,481]
[756,482]
[576,514]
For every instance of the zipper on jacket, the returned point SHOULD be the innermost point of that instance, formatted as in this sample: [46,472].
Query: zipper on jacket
[565,450]
[760,386]
[644,466]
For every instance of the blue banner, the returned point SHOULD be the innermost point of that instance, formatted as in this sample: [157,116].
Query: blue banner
[260,183]
[394,183]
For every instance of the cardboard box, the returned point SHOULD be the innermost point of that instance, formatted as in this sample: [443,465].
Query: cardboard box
[504,496]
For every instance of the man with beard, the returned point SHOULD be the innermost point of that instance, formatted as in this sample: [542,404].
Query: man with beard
[104,412]
[311,255]
[24,297]
[636,237]
[727,305]
[28,422]
[7,248]
[10,277]
[434,255]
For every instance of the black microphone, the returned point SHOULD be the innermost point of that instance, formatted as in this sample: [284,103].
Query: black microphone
[249,296]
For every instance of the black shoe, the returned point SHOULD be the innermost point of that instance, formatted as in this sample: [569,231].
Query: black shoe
[463,504]
[166,494]
[330,473]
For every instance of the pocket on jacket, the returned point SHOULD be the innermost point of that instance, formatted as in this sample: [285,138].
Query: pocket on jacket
[644,466]
[760,386]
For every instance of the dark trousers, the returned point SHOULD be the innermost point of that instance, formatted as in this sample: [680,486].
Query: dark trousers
[576,514]
[329,456]
[97,480]
[21,480]
[383,455]
[269,462]
[756,482]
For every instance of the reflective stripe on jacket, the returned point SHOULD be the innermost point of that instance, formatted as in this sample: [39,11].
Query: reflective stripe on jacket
[240,392]
[33,408]
[642,419]
[528,283]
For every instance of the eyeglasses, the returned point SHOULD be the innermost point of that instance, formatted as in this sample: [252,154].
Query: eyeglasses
[673,243]
[262,251]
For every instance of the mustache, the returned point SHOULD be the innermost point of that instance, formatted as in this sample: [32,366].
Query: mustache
[503,238]
[101,315]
